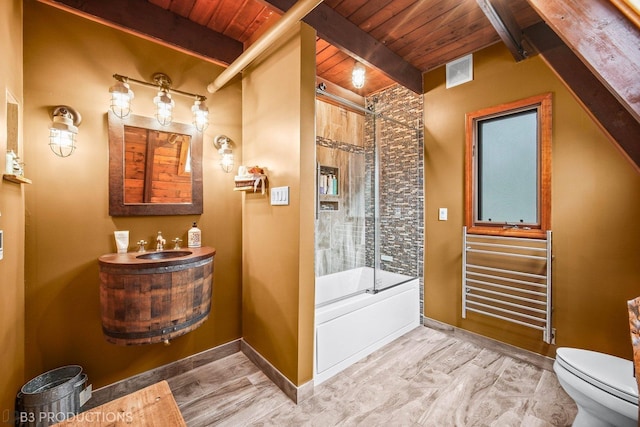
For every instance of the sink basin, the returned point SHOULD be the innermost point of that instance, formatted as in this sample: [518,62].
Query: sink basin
[164,255]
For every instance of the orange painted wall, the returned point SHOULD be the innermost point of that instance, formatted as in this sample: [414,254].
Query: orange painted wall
[70,60]
[263,287]
[279,134]
[12,208]
[595,209]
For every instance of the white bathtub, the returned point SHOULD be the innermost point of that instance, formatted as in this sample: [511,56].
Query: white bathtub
[357,324]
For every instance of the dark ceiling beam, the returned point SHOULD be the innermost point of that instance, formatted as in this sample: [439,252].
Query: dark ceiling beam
[342,33]
[605,108]
[144,19]
[604,39]
[505,25]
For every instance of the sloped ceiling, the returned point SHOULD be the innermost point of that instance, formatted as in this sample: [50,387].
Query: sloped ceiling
[592,46]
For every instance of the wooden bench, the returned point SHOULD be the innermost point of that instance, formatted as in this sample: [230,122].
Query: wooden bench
[151,406]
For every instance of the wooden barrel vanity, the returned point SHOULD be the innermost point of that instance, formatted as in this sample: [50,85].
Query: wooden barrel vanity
[153,297]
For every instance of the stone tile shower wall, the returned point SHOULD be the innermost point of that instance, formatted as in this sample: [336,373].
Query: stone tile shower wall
[401,196]
[401,190]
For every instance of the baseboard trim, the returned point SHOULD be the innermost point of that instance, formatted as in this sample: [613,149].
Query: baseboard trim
[296,393]
[538,360]
[132,384]
[137,382]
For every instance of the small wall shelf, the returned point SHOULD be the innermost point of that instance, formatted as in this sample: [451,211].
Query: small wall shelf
[18,179]
[329,206]
[256,183]
[329,183]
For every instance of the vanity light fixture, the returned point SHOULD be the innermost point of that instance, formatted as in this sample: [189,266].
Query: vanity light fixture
[164,107]
[163,101]
[121,96]
[223,144]
[357,75]
[200,114]
[63,130]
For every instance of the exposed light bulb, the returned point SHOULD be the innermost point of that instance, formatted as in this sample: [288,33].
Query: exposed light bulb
[164,107]
[63,131]
[62,142]
[358,75]
[226,157]
[226,163]
[200,115]
[121,97]
[223,144]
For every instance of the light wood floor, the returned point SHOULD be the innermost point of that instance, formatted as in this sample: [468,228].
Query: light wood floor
[425,378]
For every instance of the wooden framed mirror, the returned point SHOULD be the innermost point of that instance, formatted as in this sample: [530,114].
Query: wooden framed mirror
[154,169]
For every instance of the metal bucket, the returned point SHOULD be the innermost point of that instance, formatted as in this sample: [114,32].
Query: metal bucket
[52,397]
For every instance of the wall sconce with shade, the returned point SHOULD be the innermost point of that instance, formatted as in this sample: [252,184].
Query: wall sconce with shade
[121,96]
[358,75]
[63,130]
[223,144]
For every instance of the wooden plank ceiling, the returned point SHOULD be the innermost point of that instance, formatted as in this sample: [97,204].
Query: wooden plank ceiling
[399,40]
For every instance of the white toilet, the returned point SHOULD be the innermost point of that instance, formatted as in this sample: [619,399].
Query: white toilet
[603,387]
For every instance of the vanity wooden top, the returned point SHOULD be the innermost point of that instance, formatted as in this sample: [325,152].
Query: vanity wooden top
[157,258]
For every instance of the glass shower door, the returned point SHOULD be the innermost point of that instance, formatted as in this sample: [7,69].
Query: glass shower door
[368,224]
[398,198]
[341,221]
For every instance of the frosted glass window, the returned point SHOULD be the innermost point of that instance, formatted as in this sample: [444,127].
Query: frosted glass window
[508,168]
[507,165]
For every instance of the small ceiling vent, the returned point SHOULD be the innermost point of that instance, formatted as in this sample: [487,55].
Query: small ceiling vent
[460,71]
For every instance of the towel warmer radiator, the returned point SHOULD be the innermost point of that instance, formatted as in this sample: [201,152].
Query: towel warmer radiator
[508,278]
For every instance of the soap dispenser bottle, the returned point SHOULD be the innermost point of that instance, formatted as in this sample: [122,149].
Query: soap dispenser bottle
[194,237]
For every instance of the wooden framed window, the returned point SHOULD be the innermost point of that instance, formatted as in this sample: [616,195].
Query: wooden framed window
[508,169]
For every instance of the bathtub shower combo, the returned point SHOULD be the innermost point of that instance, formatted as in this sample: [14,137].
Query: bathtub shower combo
[367,239]
[351,327]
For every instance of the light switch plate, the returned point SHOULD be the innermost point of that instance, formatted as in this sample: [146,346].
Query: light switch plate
[442,214]
[1,244]
[280,196]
